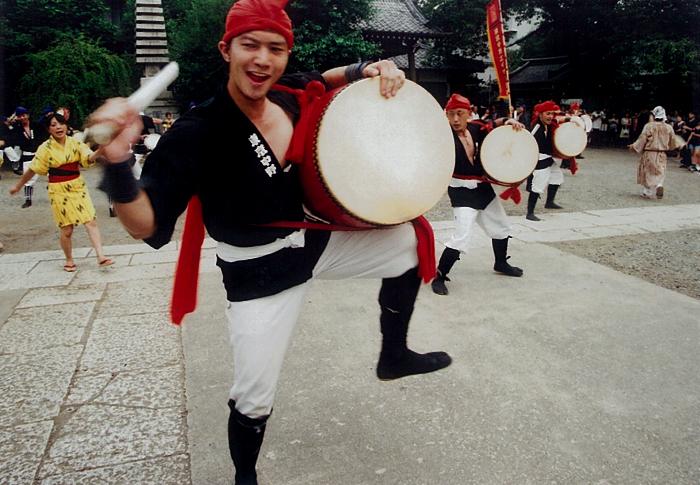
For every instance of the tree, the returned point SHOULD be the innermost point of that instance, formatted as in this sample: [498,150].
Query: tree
[465,21]
[75,72]
[622,52]
[31,26]
[327,33]
[193,45]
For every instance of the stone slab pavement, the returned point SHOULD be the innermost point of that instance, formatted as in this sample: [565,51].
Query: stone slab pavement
[600,385]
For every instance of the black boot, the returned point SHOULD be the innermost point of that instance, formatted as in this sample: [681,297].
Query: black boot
[245,437]
[531,203]
[500,250]
[396,299]
[28,191]
[551,193]
[448,258]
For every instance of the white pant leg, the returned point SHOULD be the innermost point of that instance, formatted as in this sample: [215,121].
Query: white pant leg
[259,332]
[138,167]
[31,181]
[556,176]
[540,180]
[464,222]
[649,192]
[375,253]
[494,221]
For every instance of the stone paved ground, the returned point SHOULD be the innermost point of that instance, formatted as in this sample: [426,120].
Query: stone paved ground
[600,386]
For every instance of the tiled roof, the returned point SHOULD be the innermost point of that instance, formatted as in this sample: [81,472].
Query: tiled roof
[397,17]
[540,70]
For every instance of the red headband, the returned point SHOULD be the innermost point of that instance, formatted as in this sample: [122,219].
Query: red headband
[456,101]
[247,15]
[546,106]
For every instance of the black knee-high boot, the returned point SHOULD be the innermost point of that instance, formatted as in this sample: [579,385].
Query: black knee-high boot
[396,300]
[500,252]
[245,437]
[448,258]
[28,192]
[551,194]
[531,203]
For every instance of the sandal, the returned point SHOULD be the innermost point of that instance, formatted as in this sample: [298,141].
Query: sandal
[105,262]
[70,268]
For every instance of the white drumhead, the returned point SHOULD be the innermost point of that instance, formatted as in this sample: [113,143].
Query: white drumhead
[79,136]
[509,156]
[578,120]
[588,122]
[386,161]
[151,140]
[570,139]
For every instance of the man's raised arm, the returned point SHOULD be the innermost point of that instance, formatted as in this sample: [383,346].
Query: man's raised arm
[130,201]
[392,78]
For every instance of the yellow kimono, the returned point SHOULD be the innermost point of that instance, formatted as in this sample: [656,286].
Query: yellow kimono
[70,200]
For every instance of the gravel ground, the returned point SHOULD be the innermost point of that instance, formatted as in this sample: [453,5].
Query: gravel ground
[606,180]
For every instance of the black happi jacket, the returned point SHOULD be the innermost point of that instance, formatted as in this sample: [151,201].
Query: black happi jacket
[215,152]
[483,194]
[544,135]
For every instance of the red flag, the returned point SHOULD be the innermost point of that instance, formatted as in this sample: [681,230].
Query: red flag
[497,47]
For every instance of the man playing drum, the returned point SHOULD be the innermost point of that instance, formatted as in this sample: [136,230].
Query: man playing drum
[248,183]
[547,174]
[472,197]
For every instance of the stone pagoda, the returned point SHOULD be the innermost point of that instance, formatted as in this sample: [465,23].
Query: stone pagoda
[152,51]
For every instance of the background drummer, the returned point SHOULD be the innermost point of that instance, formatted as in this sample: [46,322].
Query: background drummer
[547,174]
[472,197]
[243,180]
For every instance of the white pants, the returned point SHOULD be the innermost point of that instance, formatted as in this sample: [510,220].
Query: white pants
[493,220]
[260,330]
[31,181]
[551,175]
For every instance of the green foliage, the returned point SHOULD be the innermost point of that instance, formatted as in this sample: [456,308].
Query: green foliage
[33,25]
[327,33]
[621,51]
[465,20]
[28,27]
[75,72]
[193,45]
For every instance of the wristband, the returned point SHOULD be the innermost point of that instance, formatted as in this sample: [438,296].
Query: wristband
[353,72]
[118,182]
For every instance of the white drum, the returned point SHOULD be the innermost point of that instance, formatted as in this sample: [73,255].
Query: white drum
[509,156]
[376,161]
[578,120]
[570,140]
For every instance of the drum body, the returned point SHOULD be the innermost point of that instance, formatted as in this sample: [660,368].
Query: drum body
[509,156]
[570,139]
[372,161]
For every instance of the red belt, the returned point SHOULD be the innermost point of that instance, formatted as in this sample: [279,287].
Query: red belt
[63,178]
[64,173]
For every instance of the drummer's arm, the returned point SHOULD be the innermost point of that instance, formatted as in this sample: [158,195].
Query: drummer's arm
[132,205]
[517,126]
[392,78]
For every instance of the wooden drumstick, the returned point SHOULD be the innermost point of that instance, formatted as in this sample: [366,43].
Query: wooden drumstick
[103,133]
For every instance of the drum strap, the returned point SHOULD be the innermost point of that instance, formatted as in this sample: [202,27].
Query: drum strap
[307,111]
[184,297]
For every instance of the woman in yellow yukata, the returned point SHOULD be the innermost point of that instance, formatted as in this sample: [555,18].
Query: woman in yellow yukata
[61,157]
